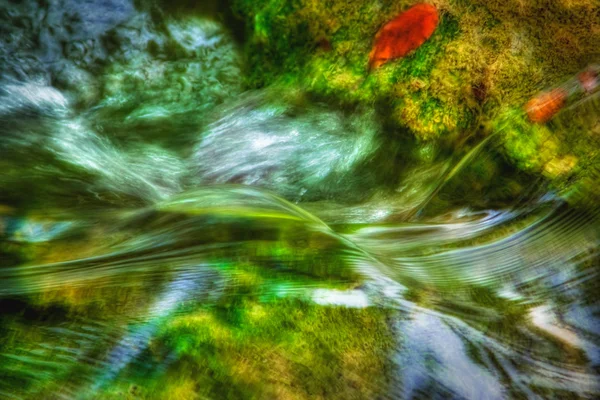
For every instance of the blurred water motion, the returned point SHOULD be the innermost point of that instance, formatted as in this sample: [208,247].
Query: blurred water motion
[201,242]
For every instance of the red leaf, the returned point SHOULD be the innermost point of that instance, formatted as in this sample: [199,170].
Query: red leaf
[544,106]
[405,33]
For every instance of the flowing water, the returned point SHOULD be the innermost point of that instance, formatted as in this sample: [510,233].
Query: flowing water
[150,211]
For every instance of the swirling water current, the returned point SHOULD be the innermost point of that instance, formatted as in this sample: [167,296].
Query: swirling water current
[136,190]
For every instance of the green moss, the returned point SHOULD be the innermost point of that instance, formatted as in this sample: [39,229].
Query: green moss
[262,338]
[246,347]
[325,48]
[483,57]
[525,142]
[564,151]
[289,347]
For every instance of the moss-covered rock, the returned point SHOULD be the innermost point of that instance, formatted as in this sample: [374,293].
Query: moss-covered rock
[485,60]
[283,348]
[564,151]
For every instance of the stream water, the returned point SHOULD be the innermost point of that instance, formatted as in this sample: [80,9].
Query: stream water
[136,190]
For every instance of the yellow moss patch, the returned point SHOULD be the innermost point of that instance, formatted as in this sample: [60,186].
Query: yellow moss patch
[181,390]
[560,166]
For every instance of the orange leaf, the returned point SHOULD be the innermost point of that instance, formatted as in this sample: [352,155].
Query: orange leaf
[405,33]
[543,107]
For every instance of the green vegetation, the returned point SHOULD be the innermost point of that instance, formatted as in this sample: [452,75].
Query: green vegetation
[262,338]
[284,349]
[565,151]
[492,53]
[485,60]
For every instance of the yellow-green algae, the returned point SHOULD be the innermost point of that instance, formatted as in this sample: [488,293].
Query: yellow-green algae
[251,344]
[485,60]
[286,349]
[565,151]
[491,52]
[261,339]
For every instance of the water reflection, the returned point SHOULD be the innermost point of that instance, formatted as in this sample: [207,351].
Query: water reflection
[479,309]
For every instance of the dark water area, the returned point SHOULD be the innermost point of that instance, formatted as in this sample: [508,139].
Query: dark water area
[169,231]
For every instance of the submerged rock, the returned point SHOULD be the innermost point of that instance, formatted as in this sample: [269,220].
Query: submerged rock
[58,42]
[300,151]
[485,60]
